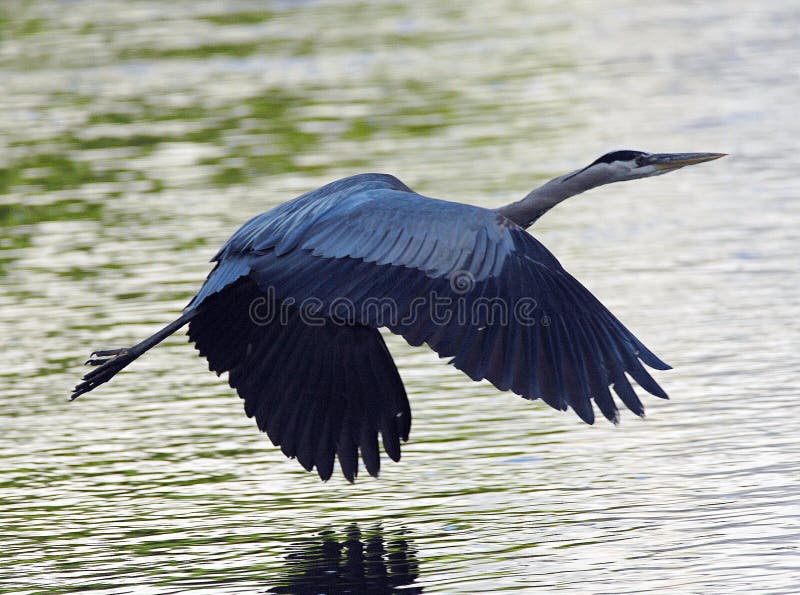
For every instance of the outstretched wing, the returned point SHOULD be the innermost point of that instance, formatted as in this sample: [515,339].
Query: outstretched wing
[317,391]
[381,255]
[366,252]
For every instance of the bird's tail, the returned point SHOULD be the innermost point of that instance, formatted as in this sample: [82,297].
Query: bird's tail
[111,361]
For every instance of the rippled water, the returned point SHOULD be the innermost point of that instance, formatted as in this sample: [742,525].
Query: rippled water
[136,136]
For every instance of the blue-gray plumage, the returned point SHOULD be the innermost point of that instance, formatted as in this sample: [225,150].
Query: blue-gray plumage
[293,306]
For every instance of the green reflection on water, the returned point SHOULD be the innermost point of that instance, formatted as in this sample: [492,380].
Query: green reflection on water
[239,18]
[50,171]
[10,27]
[143,112]
[61,210]
[268,118]
[293,47]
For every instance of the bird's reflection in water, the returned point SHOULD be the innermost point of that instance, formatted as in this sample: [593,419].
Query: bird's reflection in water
[351,562]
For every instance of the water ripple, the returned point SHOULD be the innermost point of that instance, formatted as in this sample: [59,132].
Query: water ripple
[136,136]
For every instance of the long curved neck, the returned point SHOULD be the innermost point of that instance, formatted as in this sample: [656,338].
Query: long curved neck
[537,202]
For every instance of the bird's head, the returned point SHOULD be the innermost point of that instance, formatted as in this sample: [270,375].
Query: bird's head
[618,166]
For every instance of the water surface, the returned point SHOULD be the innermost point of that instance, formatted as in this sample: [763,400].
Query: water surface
[135,137]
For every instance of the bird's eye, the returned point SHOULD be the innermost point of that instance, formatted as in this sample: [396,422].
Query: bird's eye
[640,161]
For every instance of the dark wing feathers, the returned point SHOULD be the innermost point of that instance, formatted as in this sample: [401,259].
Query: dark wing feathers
[326,390]
[317,391]
[574,348]
[560,348]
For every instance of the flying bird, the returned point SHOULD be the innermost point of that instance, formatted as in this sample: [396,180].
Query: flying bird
[292,308]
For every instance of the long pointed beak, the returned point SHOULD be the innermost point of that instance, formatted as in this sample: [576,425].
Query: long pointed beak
[670,161]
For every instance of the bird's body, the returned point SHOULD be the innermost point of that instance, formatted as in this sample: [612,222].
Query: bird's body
[293,307]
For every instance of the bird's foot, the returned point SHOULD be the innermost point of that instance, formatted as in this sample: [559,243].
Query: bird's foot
[108,362]
[104,356]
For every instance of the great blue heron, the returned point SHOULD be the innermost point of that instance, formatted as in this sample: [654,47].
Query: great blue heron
[293,306]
